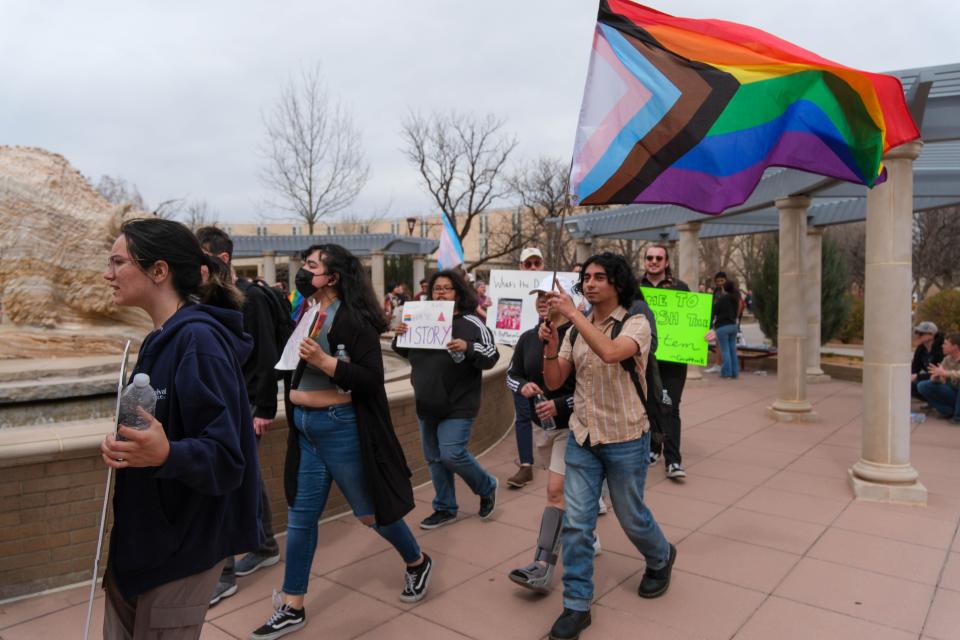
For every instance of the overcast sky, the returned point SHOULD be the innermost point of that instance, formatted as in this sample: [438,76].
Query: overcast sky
[169,95]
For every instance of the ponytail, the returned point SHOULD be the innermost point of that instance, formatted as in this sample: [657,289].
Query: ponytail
[216,289]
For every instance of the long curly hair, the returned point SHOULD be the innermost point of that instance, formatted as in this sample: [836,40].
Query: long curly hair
[353,286]
[467,300]
[618,273]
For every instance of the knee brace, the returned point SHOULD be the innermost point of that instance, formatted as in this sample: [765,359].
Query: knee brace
[548,542]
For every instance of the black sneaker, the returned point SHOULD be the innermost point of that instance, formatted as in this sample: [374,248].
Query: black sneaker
[437,519]
[569,625]
[416,580]
[655,582]
[489,502]
[285,619]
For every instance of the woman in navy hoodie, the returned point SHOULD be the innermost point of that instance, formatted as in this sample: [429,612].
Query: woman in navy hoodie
[187,490]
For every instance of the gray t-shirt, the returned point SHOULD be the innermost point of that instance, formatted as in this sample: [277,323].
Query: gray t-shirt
[314,379]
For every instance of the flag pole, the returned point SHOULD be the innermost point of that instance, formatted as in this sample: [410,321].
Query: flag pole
[106,498]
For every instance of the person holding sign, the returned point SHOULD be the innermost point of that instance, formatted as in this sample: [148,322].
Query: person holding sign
[187,492]
[446,385]
[673,375]
[609,432]
[341,431]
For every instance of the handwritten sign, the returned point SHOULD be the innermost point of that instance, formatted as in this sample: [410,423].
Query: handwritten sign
[429,324]
[683,319]
[514,308]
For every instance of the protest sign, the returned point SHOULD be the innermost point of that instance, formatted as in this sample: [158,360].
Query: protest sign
[683,319]
[429,324]
[513,309]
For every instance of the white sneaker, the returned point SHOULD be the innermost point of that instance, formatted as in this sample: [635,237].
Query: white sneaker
[597,549]
[675,471]
[602,507]
[713,369]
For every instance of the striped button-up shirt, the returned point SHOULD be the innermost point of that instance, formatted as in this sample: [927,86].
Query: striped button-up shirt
[606,405]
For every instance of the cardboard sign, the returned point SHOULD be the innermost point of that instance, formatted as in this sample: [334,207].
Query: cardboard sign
[514,308]
[683,319]
[429,324]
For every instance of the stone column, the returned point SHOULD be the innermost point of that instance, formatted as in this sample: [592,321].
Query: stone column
[884,471]
[791,404]
[270,267]
[688,269]
[584,249]
[813,267]
[419,270]
[293,265]
[377,274]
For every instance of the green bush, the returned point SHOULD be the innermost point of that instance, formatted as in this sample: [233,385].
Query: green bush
[853,327]
[835,299]
[942,309]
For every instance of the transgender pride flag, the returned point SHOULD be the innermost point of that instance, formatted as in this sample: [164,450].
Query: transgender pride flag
[450,253]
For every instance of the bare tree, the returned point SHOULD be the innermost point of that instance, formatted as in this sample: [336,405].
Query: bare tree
[197,213]
[117,190]
[314,160]
[935,235]
[461,160]
[542,190]
[851,240]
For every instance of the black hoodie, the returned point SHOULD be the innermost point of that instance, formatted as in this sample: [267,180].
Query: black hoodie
[203,503]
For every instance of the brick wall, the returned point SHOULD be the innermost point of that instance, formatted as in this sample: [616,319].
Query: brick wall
[50,511]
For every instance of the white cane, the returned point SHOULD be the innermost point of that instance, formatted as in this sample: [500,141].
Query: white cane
[106,499]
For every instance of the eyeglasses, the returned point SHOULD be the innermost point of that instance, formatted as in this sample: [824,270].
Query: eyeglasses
[115,262]
[654,258]
[440,289]
[534,262]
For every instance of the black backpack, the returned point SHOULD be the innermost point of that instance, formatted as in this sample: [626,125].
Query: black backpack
[658,404]
[280,310]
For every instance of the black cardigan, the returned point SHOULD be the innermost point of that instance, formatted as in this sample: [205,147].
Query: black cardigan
[385,466]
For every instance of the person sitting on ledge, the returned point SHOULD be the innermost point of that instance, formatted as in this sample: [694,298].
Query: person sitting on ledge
[929,351]
[942,390]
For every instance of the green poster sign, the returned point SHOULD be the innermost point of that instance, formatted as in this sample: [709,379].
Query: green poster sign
[683,319]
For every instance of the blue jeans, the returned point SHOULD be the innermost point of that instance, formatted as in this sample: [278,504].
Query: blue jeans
[330,452]
[445,449]
[942,397]
[524,428]
[624,465]
[727,340]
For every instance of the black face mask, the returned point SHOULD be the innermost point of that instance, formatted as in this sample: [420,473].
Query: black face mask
[304,283]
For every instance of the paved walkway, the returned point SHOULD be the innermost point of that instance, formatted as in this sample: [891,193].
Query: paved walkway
[770,543]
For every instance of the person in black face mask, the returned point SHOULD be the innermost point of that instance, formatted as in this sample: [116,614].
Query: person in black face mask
[340,430]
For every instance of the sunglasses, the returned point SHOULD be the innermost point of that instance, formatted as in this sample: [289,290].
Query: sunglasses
[535,262]
[654,258]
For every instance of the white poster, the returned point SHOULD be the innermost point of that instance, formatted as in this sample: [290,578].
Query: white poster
[429,324]
[513,308]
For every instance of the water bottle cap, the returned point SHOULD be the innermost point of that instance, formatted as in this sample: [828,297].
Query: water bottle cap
[341,346]
[141,380]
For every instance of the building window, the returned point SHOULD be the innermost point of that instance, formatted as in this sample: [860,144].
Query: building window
[424,228]
[331,229]
[261,229]
[364,228]
[483,246]
[395,227]
[484,223]
[516,221]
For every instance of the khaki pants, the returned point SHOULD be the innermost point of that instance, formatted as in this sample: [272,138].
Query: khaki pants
[172,611]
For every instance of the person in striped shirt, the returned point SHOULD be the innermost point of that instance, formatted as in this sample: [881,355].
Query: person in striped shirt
[609,433]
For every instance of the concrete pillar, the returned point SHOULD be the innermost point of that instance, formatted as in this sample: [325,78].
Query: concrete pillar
[270,267]
[688,269]
[584,249]
[377,274]
[293,265]
[419,270]
[791,404]
[884,471]
[813,267]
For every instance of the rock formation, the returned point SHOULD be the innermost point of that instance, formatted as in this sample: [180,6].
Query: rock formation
[55,238]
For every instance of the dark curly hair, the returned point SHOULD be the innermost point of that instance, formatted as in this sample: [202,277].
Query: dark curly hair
[150,240]
[466,295]
[618,273]
[353,286]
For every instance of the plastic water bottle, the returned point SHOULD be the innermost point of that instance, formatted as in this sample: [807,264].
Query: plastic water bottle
[138,393]
[341,354]
[917,417]
[458,356]
[547,424]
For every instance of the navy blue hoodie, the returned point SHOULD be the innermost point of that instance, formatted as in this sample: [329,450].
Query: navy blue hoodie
[203,503]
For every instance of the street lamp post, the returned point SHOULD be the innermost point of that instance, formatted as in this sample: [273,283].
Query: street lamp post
[411,225]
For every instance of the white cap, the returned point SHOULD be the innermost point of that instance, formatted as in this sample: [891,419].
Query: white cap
[530,252]
[141,380]
[546,286]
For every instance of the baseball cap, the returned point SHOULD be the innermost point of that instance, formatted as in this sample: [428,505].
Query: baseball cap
[925,327]
[530,252]
[546,286]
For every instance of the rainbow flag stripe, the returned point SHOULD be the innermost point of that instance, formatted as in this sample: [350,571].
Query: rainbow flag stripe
[690,112]
[296,305]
